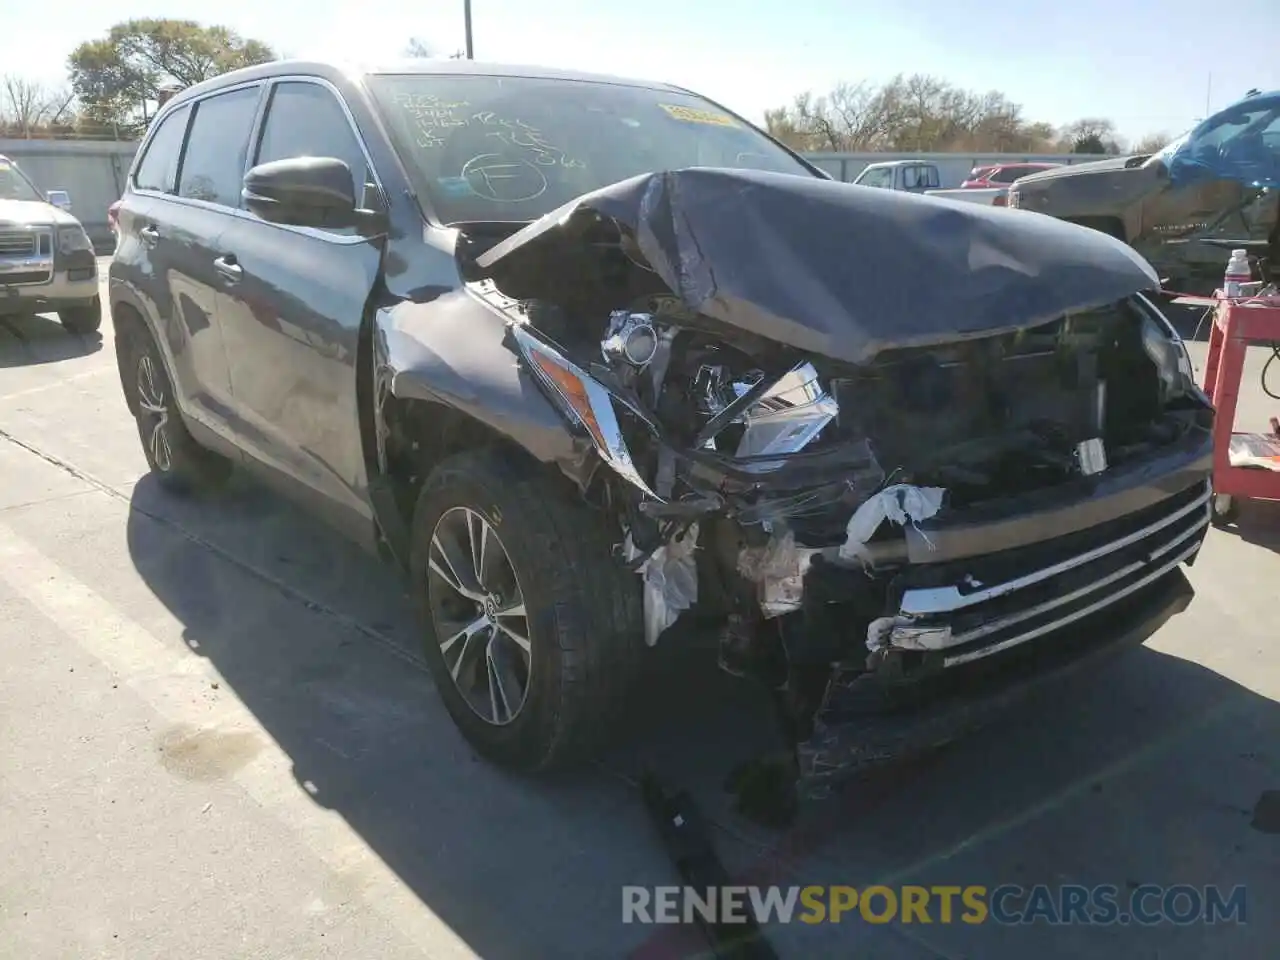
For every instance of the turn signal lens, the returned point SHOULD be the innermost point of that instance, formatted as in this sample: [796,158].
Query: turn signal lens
[574,391]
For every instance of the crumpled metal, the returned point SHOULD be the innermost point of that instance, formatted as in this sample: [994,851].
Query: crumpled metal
[830,268]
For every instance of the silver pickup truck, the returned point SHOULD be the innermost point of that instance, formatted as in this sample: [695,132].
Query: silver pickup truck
[47,262]
[920,176]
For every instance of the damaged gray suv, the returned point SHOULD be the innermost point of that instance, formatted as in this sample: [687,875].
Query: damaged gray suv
[595,360]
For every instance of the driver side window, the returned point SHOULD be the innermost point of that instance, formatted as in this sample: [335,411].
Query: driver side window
[877,178]
[305,120]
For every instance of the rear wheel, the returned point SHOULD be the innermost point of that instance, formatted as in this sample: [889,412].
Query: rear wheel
[178,462]
[532,629]
[83,318]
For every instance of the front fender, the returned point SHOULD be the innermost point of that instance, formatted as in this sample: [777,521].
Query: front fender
[452,350]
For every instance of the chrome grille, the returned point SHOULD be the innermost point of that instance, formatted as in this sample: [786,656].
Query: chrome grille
[17,243]
[982,614]
[26,257]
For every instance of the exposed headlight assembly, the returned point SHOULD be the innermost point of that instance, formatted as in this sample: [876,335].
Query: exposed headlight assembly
[584,400]
[1167,351]
[73,239]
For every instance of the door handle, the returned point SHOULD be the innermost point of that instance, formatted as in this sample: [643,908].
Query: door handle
[228,268]
[149,234]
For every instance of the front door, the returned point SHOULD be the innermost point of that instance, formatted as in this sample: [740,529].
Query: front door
[292,318]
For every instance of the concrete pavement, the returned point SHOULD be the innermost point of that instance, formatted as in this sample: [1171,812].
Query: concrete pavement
[217,740]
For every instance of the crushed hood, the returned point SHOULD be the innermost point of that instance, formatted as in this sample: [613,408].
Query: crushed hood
[831,268]
[1085,169]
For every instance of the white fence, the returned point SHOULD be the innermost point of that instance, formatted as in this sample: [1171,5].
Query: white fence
[952,167]
[91,171]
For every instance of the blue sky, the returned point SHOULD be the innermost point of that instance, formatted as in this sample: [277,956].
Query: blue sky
[1144,63]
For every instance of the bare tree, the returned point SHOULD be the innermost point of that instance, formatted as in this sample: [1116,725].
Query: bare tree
[916,112]
[1091,135]
[418,49]
[27,107]
[1151,143]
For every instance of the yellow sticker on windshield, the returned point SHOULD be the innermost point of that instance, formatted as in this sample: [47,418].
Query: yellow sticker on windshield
[693,115]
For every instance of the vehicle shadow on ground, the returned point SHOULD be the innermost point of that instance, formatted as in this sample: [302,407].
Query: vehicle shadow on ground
[1258,523]
[29,340]
[1147,773]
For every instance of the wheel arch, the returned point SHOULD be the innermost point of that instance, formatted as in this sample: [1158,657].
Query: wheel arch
[1112,226]
[129,313]
[435,379]
[126,321]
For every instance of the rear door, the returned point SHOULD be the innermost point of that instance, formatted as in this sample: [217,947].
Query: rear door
[180,228]
[292,319]
[153,261]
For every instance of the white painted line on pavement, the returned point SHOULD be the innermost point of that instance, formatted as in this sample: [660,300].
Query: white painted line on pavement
[175,684]
[60,382]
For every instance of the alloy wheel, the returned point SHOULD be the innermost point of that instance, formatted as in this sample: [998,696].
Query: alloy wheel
[477,608]
[153,414]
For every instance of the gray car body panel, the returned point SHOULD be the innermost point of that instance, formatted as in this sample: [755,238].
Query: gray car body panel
[771,254]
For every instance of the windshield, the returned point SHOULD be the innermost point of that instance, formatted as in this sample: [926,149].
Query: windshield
[1239,143]
[515,148]
[14,186]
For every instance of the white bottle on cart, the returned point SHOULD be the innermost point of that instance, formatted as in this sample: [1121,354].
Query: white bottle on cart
[1238,273]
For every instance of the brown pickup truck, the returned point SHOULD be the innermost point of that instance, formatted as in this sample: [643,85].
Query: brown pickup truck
[1218,181]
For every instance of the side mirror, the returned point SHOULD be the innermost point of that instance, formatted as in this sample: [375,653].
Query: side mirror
[59,198]
[304,192]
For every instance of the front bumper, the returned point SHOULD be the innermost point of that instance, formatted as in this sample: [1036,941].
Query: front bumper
[37,291]
[1061,583]
[848,737]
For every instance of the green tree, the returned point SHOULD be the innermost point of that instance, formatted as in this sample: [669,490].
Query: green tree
[117,78]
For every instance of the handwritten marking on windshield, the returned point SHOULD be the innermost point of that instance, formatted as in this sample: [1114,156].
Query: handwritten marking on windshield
[543,152]
[501,180]
[433,119]
[432,116]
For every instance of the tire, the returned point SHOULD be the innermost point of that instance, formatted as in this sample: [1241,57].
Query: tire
[176,460]
[83,319]
[582,623]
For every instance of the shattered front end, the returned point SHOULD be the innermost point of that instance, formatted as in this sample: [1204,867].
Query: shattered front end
[900,500]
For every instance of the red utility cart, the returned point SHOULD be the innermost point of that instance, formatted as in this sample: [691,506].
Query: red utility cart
[1236,324]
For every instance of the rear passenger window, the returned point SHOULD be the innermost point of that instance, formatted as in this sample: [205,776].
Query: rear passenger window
[213,166]
[306,120]
[159,167]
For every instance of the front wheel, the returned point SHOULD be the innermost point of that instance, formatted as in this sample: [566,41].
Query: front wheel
[532,628]
[82,319]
